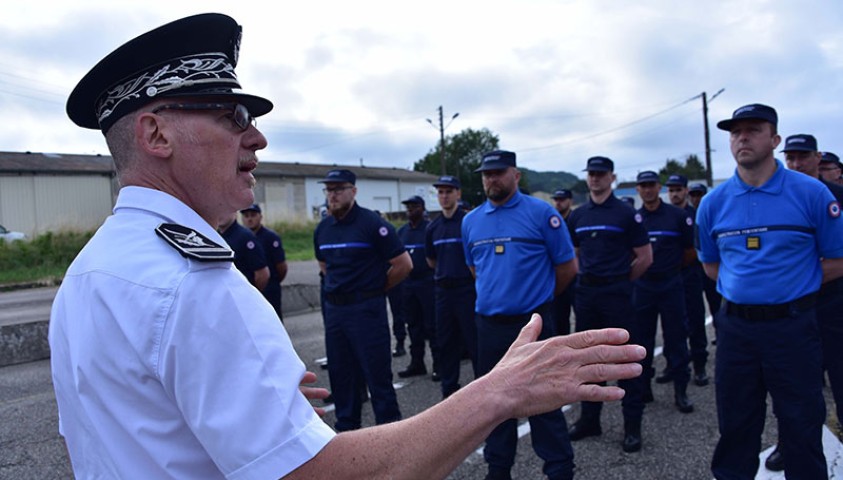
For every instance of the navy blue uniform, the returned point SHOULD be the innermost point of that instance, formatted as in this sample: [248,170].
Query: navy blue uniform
[417,296]
[514,249]
[768,242]
[356,251]
[830,319]
[692,279]
[606,235]
[660,291]
[455,297]
[273,248]
[248,253]
[562,305]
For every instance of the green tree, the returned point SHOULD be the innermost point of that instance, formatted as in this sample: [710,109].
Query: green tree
[463,153]
[692,168]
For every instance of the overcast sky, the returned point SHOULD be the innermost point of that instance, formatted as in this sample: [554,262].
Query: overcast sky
[557,81]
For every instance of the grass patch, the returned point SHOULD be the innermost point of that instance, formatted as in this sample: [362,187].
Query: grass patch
[297,238]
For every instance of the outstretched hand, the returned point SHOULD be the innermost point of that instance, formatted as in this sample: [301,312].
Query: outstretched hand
[313,393]
[537,377]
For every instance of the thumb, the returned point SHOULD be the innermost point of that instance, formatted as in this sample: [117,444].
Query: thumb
[530,332]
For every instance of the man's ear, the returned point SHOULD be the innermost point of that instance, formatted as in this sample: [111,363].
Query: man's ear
[153,134]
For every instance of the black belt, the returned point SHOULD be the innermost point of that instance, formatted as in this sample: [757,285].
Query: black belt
[771,312]
[517,318]
[590,280]
[656,276]
[454,282]
[351,298]
[834,287]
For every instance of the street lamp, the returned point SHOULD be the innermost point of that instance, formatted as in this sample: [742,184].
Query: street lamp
[442,128]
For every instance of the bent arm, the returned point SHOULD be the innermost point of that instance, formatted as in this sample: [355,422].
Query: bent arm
[565,272]
[261,278]
[431,262]
[643,260]
[533,377]
[401,265]
[832,269]
[281,268]
[713,269]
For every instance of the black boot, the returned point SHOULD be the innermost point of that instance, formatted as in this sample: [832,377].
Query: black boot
[584,427]
[399,349]
[631,436]
[683,403]
[414,369]
[700,377]
[665,377]
[775,462]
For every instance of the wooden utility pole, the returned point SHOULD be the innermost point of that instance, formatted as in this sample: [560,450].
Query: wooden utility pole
[709,176]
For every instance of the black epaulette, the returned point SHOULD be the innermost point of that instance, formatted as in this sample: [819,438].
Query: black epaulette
[192,244]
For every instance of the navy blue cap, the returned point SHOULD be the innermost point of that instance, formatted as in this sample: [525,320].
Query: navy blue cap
[698,188]
[647,176]
[253,208]
[414,199]
[677,180]
[190,57]
[447,181]
[801,142]
[599,164]
[828,157]
[339,176]
[755,111]
[629,200]
[497,160]
[464,205]
[562,193]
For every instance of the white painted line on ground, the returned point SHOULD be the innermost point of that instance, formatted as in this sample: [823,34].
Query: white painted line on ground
[832,448]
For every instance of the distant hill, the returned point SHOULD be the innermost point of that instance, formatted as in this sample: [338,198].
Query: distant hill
[547,181]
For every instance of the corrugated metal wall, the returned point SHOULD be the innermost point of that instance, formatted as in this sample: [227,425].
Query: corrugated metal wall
[41,203]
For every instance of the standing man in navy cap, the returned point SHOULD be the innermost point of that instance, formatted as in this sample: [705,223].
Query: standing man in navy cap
[520,253]
[249,257]
[801,154]
[830,168]
[273,249]
[695,195]
[659,292]
[417,292]
[454,286]
[362,259]
[692,279]
[562,303]
[167,364]
[613,250]
[770,237]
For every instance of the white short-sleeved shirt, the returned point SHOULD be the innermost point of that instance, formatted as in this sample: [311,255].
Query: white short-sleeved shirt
[167,367]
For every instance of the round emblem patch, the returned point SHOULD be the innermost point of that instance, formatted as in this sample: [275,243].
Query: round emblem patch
[638,218]
[383,231]
[555,222]
[250,245]
[689,221]
[275,244]
[834,209]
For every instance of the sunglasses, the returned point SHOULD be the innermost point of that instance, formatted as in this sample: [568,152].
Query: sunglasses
[238,113]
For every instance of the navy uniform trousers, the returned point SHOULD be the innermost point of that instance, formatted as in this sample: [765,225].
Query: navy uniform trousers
[830,320]
[549,431]
[358,345]
[605,306]
[782,356]
[692,279]
[418,305]
[663,298]
[396,307]
[562,305]
[455,330]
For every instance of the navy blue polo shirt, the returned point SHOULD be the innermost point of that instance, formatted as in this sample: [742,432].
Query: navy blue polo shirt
[769,240]
[356,251]
[605,234]
[248,253]
[835,189]
[273,248]
[443,243]
[514,249]
[413,239]
[671,232]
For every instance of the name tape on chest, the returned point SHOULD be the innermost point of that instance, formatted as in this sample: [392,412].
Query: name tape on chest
[192,244]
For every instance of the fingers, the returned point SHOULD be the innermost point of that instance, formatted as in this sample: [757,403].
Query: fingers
[603,372]
[597,393]
[314,393]
[590,338]
[308,378]
[530,332]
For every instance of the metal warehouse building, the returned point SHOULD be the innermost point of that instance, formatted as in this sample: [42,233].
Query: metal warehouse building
[41,192]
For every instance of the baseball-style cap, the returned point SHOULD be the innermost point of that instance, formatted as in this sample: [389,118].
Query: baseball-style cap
[561,193]
[828,157]
[801,142]
[190,57]
[252,208]
[698,188]
[755,111]
[497,160]
[647,176]
[677,180]
[447,181]
[599,164]
[414,199]
[339,176]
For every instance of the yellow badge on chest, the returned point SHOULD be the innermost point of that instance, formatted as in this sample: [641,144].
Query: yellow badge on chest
[499,249]
[753,243]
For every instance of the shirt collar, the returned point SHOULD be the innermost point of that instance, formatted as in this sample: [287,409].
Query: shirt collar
[166,206]
[349,217]
[610,199]
[489,208]
[773,186]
